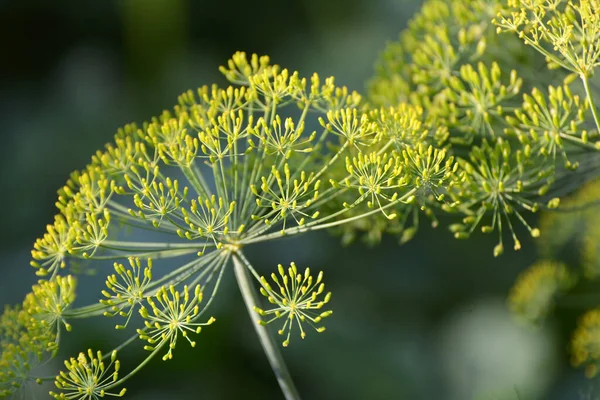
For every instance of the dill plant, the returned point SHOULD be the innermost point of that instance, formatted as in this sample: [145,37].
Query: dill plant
[455,123]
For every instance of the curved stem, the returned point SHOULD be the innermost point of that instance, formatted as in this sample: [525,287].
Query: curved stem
[244,280]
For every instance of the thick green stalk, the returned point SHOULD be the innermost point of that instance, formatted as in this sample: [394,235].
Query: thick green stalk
[271,349]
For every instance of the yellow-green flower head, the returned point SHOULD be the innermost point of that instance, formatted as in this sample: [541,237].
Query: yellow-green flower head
[430,169]
[174,313]
[19,329]
[208,219]
[239,68]
[156,200]
[476,99]
[404,125]
[566,32]
[47,303]
[585,344]
[289,197]
[283,139]
[23,348]
[12,324]
[50,251]
[534,292]
[441,37]
[548,122]
[377,178]
[127,288]
[225,168]
[87,377]
[498,181]
[354,128]
[17,362]
[230,167]
[296,298]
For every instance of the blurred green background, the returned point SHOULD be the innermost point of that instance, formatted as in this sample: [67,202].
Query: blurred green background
[424,321]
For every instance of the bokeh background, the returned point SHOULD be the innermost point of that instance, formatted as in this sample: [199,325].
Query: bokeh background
[427,320]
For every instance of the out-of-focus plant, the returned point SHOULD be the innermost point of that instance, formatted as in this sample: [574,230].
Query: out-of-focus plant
[567,275]
[455,123]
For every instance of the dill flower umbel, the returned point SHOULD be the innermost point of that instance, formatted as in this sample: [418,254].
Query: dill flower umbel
[223,170]
[533,295]
[47,304]
[295,300]
[276,154]
[173,313]
[131,292]
[30,334]
[585,347]
[452,64]
[88,377]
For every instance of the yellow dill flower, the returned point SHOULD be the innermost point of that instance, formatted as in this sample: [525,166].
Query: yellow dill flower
[230,167]
[355,128]
[88,377]
[17,365]
[173,313]
[377,178]
[535,290]
[281,196]
[585,344]
[295,298]
[497,181]
[128,287]
[50,252]
[46,305]
[23,348]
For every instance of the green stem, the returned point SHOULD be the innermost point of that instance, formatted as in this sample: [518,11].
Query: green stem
[590,98]
[318,224]
[331,161]
[196,180]
[244,281]
[136,369]
[149,246]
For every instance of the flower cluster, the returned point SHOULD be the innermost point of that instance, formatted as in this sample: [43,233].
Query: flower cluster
[565,32]
[536,289]
[88,377]
[173,313]
[584,346]
[296,299]
[129,293]
[30,333]
[442,131]
[512,155]
[572,237]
